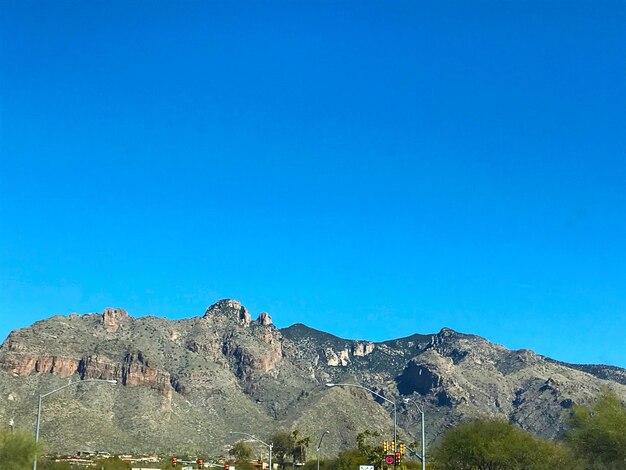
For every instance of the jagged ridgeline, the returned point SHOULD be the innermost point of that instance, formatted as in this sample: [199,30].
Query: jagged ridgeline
[184,384]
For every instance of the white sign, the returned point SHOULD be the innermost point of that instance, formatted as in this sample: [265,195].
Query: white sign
[366,467]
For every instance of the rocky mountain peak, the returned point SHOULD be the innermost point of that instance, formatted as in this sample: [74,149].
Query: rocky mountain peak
[112,317]
[264,319]
[229,308]
[447,333]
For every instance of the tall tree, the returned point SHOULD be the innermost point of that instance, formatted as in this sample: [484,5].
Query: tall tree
[598,434]
[370,447]
[283,446]
[349,460]
[494,444]
[241,451]
[300,446]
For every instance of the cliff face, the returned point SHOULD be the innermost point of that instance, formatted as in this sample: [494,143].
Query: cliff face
[26,364]
[224,371]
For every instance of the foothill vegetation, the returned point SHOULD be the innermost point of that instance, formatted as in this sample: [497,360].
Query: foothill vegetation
[594,439]
[17,449]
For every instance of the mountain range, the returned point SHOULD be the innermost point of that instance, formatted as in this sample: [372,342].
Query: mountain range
[184,385]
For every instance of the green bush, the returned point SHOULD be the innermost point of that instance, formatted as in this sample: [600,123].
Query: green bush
[598,434]
[494,444]
[17,449]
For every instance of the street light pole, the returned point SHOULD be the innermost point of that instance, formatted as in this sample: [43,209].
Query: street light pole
[41,397]
[319,445]
[37,426]
[395,416]
[269,446]
[421,410]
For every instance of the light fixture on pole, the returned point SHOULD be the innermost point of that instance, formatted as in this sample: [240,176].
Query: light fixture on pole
[269,446]
[41,397]
[395,419]
[319,445]
[421,410]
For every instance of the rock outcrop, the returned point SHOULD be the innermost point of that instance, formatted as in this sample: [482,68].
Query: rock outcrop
[363,349]
[339,358]
[264,319]
[229,308]
[26,364]
[112,318]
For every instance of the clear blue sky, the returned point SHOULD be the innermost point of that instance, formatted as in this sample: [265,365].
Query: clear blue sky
[370,169]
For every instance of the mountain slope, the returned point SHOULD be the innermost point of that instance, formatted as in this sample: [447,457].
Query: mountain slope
[184,384]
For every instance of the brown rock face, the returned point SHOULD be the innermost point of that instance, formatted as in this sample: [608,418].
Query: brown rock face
[25,364]
[112,317]
[135,371]
[271,358]
[251,362]
[264,319]
[96,367]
